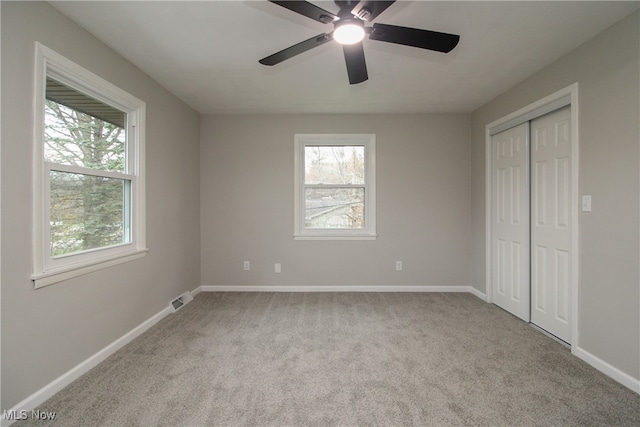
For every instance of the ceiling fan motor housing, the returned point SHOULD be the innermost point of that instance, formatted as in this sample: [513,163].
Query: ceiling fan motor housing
[342,4]
[347,8]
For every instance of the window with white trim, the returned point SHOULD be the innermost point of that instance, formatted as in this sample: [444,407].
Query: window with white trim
[88,171]
[335,187]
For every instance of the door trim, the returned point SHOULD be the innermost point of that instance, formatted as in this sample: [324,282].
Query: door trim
[559,99]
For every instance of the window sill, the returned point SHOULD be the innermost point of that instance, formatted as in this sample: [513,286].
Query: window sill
[305,237]
[54,276]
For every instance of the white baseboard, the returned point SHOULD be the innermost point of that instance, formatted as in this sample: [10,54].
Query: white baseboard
[466,289]
[477,293]
[607,369]
[46,392]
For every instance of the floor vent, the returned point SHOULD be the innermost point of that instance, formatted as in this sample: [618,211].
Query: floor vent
[179,302]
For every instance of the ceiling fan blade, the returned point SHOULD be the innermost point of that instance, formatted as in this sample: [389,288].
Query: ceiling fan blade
[424,39]
[309,10]
[368,10]
[356,64]
[296,49]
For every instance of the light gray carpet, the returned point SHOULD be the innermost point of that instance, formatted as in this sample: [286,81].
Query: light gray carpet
[303,359]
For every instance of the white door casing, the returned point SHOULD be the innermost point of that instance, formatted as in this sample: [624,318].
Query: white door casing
[510,220]
[551,223]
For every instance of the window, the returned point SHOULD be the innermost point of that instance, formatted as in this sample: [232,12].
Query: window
[335,187]
[88,172]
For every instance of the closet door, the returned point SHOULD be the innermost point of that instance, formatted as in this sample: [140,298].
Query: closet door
[550,223]
[510,220]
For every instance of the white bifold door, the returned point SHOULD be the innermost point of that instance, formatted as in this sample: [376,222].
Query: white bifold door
[531,213]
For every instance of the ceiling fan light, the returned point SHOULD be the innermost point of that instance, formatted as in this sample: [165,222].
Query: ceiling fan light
[348,33]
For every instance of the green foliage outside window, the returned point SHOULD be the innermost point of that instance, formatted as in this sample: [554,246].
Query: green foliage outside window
[87,211]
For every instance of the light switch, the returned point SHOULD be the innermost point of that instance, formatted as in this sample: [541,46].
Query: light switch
[586,203]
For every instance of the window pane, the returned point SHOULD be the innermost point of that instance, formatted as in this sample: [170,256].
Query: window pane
[334,164]
[334,208]
[74,135]
[87,212]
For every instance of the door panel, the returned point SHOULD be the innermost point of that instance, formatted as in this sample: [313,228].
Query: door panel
[550,223]
[510,243]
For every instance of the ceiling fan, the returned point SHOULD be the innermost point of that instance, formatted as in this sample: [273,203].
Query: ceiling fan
[349,30]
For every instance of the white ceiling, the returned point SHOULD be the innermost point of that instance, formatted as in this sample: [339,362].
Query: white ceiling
[207,52]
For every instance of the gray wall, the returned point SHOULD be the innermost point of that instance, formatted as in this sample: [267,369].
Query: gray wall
[48,331]
[423,203]
[607,69]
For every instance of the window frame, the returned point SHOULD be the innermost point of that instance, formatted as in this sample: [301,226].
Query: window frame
[48,269]
[368,232]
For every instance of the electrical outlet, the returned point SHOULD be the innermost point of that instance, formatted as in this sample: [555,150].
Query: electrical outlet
[398,265]
[278,267]
[247,266]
